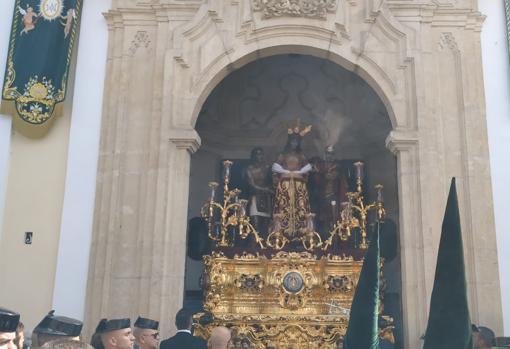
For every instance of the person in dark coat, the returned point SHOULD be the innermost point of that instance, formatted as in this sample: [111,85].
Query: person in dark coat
[115,334]
[54,327]
[8,323]
[183,338]
[146,332]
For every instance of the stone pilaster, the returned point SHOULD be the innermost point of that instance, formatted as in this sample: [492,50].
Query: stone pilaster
[404,144]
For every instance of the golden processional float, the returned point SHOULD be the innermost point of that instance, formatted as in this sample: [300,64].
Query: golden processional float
[292,289]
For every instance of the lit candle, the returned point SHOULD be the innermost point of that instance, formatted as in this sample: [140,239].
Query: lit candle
[334,211]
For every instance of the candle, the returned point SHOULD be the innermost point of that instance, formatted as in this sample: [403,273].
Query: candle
[310,227]
[243,203]
[359,169]
[226,170]
[334,211]
[213,186]
[379,188]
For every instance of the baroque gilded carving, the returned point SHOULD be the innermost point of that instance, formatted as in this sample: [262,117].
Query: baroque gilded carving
[295,8]
[292,298]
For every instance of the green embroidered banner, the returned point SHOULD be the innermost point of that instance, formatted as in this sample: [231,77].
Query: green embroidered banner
[43,34]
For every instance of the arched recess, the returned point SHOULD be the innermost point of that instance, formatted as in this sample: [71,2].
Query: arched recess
[252,106]
[377,79]
[398,98]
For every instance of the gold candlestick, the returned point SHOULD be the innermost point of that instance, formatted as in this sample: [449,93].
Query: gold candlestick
[231,212]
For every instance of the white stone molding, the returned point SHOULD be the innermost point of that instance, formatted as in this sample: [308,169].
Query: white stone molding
[295,8]
[187,139]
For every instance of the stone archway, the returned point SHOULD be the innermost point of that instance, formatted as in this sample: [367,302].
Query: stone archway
[164,60]
[253,106]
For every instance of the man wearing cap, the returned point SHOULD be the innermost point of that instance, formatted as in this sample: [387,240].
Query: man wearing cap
[146,333]
[115,334]
[55,327]
[183,338]
[8,323]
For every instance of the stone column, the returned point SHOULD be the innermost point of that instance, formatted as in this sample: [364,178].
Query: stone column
[404,144]
[169,256]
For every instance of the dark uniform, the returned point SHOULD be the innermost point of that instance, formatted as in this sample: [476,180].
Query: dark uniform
[146,324]
[183,340]
[54,327]
[8,323]
[106,325]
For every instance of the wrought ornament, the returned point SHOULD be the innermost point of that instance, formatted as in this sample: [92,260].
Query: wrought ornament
[298,130]
[249,283]
[293,282]
[51,9]
[225,220]
[229,218]
[37,102]
[354,213]
[295,8]
[339,283]
[280,300]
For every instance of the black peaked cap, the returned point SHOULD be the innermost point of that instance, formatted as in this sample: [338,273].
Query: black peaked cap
[146,323]
[8,320]
[59,326]
[106,325]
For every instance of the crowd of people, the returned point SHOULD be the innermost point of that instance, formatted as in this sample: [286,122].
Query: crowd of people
[60,332]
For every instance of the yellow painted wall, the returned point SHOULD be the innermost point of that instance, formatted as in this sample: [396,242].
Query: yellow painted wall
[34,199]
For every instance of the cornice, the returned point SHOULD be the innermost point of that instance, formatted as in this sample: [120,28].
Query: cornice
[401,140]
[185,138]
[437,16]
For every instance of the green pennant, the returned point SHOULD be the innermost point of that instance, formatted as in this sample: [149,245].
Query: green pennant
[43,34]
[363,332]
[449,325]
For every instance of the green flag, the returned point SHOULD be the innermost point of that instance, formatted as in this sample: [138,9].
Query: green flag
[449,324]
[362,332]
[43,34]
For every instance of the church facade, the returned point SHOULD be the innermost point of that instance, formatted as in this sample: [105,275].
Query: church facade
[108,192]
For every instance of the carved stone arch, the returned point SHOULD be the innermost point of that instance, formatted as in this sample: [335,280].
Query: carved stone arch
[365,68]
[255,38]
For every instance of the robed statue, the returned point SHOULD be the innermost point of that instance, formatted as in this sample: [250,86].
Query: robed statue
[260,191]
[291,208]
[330,184]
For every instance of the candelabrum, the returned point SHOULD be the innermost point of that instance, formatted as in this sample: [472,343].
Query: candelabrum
[353,213]
[226,219]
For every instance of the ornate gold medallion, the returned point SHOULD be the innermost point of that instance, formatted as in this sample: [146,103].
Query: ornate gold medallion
[51,9]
